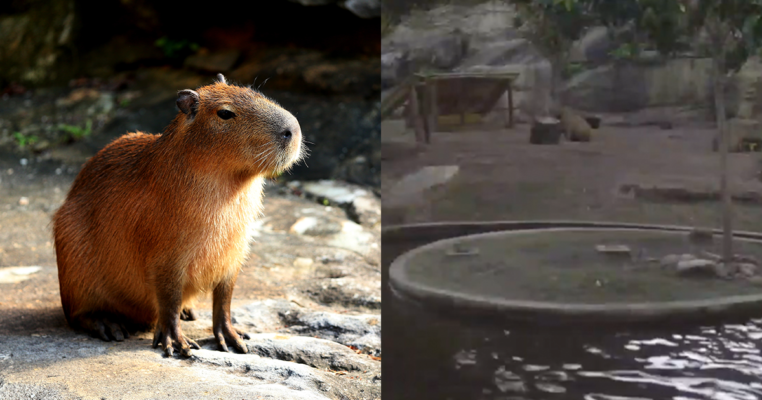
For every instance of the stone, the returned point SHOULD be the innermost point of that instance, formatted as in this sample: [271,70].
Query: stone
[725,271]
[315,226]
[362,331]
[594,46]
[625,87]
[618,251]
[360,8]
[346,291]
[687,257]
[316,353]
[279,365]
[303,262]
[214,62]
[77,96]
[410,189]
[747,270]
[670,260]
[363,8]
[711,256]
[17,274]
[741,258]
[23,201]
[696,267]
[34,41]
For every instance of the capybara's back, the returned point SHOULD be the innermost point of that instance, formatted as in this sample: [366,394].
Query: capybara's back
[111,204]
[575,127]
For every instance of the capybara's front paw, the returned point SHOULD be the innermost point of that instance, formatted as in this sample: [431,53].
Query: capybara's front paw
[227,335]
[171,338]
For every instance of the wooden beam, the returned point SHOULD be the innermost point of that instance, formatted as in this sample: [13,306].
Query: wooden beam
[420,130]
[510,104]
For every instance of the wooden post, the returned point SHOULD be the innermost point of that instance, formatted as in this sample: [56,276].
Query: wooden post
[460,104]
[510,103]
[415,117]
[431,84]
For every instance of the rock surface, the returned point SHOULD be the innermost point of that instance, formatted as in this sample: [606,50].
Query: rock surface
[311,303]
[361,8]
[710,265]
[458,38]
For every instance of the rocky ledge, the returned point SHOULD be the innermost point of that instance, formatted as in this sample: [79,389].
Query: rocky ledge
[309,296]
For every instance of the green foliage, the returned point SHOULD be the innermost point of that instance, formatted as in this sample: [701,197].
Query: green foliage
[173,48]
[573,69]
[668,22]
[76,132]
[625,51]
[24,140]
[553,24]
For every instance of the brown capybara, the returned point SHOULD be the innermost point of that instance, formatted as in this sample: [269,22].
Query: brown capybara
[576,128]
[153,221]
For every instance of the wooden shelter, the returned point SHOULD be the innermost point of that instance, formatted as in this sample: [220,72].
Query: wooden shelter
[457,93]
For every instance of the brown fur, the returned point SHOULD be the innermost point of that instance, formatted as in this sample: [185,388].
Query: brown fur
[153,221]
[576,128]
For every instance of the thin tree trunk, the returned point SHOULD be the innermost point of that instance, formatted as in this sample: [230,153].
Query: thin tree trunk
[727,205]
[556,71]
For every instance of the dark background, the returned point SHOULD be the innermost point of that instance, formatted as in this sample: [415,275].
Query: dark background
[319,62]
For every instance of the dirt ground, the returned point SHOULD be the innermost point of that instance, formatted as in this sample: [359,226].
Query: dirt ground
[503,177]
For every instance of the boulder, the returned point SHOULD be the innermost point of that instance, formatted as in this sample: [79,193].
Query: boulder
[360,8]
[34,41]
[593,47]
[697,267]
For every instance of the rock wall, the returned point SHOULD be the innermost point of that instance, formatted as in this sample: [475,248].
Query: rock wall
[483,37]
[631,86]
[35,38]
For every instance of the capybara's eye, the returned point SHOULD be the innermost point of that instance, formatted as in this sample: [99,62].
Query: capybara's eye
[225,114]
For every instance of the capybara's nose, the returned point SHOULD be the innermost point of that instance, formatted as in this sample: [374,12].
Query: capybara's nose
[292,132]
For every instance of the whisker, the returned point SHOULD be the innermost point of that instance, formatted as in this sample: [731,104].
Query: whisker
[263,83]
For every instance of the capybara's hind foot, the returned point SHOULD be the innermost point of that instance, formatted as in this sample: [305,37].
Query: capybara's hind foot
[104,328]
[188,314]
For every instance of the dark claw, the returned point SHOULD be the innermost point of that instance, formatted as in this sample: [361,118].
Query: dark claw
[221,345]
[170,343]
[193,344]
[188,314]
[116,331]
[102,331]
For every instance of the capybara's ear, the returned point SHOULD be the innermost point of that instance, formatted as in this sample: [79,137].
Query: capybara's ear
[187,102]
[222,79]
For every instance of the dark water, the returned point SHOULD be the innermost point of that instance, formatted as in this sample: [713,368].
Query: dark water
[442,358]
[433,356]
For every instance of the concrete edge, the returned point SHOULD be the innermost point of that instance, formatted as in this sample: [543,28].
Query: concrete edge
[733,306]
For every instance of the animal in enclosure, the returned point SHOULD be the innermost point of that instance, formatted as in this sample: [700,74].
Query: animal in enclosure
[574,126]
